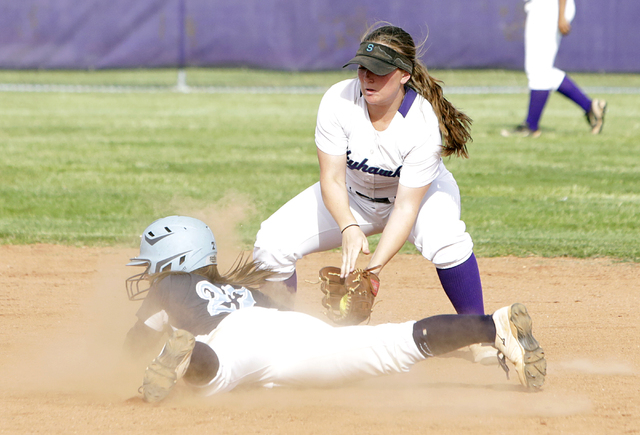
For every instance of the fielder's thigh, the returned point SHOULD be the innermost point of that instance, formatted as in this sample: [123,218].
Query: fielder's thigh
[300,227]
[438,233]
[304,225]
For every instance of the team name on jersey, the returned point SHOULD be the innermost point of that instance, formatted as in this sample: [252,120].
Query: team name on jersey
[362,166]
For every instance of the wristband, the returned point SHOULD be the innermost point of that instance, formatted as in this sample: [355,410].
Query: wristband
[350,225]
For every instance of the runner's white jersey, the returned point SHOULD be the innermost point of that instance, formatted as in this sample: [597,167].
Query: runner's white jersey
[407,152]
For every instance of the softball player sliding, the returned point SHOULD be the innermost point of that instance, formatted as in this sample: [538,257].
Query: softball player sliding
[222,333]
[379,142]
[547,21]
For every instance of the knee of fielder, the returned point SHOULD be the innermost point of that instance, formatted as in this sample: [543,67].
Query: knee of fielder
[450,255]
[272,256]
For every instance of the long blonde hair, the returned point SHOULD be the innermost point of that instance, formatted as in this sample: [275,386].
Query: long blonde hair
[243,273]
[454,125]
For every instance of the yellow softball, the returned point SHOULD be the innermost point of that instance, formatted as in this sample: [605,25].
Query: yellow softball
[343,304]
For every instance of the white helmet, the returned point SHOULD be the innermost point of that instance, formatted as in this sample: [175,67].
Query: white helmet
[176,243]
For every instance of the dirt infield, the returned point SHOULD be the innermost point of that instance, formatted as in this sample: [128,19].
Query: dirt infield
[64,313]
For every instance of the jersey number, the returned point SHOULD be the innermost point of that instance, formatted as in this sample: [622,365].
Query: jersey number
[225,299]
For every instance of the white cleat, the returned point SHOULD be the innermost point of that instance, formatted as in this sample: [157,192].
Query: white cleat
[165,370]
[515,342]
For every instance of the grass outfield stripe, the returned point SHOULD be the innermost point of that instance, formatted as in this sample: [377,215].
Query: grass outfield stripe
[311,90]
[94,169]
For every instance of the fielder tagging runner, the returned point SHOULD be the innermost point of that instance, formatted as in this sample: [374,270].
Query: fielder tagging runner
[547,22]
[224,334]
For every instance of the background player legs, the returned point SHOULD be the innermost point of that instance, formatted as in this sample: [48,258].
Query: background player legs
[570,90]
[537,101]
[543,34]
[594,109]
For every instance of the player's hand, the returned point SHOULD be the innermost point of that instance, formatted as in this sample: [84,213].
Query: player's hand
[353,242]
[564,26]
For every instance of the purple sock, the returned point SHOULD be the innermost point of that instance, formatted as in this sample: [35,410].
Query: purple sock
[292,282]
[537,100]
[570,90]
[463,287]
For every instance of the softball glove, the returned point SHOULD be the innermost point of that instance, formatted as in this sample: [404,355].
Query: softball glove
[348,301]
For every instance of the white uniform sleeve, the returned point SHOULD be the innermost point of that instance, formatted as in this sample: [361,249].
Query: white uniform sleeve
[423,163]
[158,321]
[331,137]
[420,168]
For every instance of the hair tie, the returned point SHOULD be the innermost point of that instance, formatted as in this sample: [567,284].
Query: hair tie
[350,225]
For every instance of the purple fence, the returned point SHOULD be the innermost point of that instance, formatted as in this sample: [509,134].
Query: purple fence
[298,35]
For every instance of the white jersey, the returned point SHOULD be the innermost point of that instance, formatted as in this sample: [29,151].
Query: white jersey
[407,152]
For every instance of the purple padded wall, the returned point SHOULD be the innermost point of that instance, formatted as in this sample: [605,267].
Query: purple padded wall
[298,35]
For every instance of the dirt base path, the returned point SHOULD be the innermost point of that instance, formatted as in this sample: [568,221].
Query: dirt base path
[64,313]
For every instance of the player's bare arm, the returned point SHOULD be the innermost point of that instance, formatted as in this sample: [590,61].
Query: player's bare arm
[354,241]
[563,25]
[403,217]
[332,184]
[334,195]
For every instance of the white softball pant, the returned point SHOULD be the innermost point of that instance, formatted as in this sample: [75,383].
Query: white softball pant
[541,41]
[269,348]
[304,225]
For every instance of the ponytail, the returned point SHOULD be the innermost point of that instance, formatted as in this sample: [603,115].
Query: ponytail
[454,125]
[243,273]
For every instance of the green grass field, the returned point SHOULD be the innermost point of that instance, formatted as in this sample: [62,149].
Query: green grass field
[96,168]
